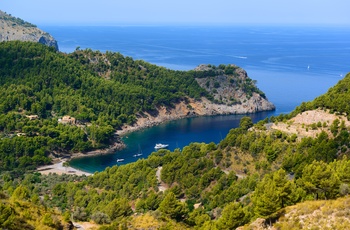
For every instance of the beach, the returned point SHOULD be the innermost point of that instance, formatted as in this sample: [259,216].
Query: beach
[59,169]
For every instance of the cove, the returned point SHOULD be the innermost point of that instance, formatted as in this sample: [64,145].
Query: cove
[177,134]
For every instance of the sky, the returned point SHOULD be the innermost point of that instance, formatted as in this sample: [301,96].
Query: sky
[181,12]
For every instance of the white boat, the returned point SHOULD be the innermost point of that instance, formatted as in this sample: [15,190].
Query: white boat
[120,160]
[161,146]
[139,153]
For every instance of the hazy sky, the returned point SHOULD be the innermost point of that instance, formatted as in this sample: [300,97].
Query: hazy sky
[190,12]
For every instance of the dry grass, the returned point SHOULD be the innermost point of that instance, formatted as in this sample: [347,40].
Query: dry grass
[150,221]
[302,124]
[325,214]
[244,163]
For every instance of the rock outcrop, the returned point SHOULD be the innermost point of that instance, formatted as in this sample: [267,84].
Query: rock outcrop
[232,89]
[13,28]
[230,93]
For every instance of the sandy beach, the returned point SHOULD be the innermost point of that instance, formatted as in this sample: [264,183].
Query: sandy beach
[59,169]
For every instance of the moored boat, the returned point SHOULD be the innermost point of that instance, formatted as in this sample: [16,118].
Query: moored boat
[161,146]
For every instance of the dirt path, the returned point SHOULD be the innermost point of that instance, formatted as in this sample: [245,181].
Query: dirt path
[162,186]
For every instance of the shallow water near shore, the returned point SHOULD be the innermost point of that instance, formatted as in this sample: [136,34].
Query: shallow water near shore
[290,64]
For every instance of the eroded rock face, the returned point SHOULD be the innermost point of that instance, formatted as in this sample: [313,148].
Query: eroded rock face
[12,28]
[233,91]
[49,41]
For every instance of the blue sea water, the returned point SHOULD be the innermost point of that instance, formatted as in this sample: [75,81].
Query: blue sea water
[290,64]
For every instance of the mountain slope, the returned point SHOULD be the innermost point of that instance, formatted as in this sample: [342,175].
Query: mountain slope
[281,171]
[54,103]
[257,171]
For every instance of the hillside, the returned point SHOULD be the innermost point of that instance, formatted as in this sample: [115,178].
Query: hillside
[55,104]
[323,214]
[290,171]
[255,172]
[13,28]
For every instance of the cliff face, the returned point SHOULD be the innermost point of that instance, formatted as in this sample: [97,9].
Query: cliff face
[233,93]
[192,108]
[13,28]
[232,89]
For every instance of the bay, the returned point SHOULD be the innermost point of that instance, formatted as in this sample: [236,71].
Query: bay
[177,134]
[290,64]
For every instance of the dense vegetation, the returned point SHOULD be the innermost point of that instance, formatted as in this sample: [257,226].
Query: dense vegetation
[336,100]
[204,189]
[101,91]
[196,175]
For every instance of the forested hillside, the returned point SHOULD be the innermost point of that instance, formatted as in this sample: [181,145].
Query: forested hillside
[335,100]
[53,103]
[202,191]
[257,171]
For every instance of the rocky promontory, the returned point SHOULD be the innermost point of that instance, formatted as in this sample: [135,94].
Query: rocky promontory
[13,28]
[232,91]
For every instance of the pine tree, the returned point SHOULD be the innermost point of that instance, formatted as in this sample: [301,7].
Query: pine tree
[172,207]
[320,177]
[274,192]
[232,216]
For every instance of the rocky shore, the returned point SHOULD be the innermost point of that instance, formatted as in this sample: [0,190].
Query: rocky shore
[194,108]
[119,145]
[191,108]
[231,95]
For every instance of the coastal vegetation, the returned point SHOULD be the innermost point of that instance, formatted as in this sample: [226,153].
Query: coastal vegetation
[53,103]
[202,190]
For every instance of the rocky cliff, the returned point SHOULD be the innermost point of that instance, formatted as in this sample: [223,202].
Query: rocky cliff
[232,89]
[233,93]
[13,28]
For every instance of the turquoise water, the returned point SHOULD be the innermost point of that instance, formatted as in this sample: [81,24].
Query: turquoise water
[291,65]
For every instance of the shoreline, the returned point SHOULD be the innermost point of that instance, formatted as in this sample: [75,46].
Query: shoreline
[119,145]
[149,123]
[59,169]
[181,111]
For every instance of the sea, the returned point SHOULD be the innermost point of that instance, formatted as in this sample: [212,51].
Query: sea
[291,64]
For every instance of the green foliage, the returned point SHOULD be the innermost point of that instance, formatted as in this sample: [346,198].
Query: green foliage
[100,218]
[173,208]
[106,90]
[232,216]
[109,90]
[106,197]
[274,192]
[118,208]
[21,193]
[47,220]
[17,214]
[342,168]
[80,214]
[335,100]
[6,215]
[320,177]
[245,123]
